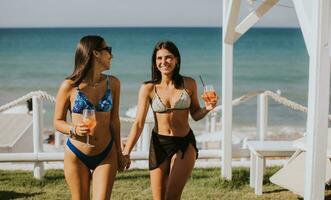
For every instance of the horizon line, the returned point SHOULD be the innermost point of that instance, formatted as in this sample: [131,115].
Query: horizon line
[105,27]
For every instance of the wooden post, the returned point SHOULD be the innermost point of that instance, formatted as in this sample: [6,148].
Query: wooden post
[318,101]
[262,116]
[227,85]
[253,18]
[258,182]
[57,139]
[305,23]
[252,169]
[38,169]
[213,122]
[207,123]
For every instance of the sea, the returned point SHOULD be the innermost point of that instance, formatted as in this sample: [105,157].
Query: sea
[273,59]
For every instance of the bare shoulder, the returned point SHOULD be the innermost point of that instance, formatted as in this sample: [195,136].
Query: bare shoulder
[147,87]
[66,89]
[189,82]
[114,80]
[66,85]
[114,84]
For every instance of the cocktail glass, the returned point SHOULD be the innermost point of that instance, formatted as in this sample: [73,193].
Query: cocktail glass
[210,93]
[90,121]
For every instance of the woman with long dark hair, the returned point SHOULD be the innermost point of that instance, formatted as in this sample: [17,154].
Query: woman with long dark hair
[87,89]
[172,97]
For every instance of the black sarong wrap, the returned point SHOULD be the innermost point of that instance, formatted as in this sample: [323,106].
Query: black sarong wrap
[163,147]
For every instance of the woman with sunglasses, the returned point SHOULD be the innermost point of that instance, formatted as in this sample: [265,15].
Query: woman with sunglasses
[88,89]
[172,97]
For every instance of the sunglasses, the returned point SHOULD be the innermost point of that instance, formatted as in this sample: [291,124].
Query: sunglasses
[106,48]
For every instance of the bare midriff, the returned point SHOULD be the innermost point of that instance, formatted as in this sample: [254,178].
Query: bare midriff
[174,123]
[100,135]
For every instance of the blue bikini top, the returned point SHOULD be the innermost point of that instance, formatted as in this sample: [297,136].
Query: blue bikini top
[82,102]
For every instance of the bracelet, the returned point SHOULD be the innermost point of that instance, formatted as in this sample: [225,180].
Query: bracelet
[71,131]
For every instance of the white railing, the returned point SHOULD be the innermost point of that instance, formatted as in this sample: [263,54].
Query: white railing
[37,135]
[142,148]
[262,116]
[262,110]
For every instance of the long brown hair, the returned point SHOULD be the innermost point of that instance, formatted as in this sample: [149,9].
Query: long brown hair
[84,57]
[156,74]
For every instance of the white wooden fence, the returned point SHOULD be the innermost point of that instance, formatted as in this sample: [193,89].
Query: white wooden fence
[141,153]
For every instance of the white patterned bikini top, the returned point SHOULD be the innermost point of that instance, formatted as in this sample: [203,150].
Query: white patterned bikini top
[182,103]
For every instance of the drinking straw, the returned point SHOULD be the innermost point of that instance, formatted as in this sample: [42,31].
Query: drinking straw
[203,84]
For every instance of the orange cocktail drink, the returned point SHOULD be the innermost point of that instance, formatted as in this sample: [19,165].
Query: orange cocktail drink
[90,121]
[210,93]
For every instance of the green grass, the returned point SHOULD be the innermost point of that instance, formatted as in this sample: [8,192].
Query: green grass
[134,184]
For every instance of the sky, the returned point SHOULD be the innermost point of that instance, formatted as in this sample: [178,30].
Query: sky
[124,13]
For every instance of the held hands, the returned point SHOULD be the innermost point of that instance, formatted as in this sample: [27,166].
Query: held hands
[127,161]
[210,99]
[121,162]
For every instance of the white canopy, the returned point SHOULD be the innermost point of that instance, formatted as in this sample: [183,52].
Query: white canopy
[314,18]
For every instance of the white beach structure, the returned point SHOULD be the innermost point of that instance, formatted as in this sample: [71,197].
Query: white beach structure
[16,133]
[16,130]
[314,19]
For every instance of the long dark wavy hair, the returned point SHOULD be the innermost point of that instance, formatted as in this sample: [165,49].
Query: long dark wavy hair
[156,74]
[84,57]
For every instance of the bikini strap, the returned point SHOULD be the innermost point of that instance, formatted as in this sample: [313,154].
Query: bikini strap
[155,89]
[108,83]
[156,94]
[184,86]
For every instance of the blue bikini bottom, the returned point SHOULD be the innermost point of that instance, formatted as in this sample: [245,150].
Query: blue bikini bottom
[91,161]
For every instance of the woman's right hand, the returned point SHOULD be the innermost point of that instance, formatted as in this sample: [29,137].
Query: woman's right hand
[81,130]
